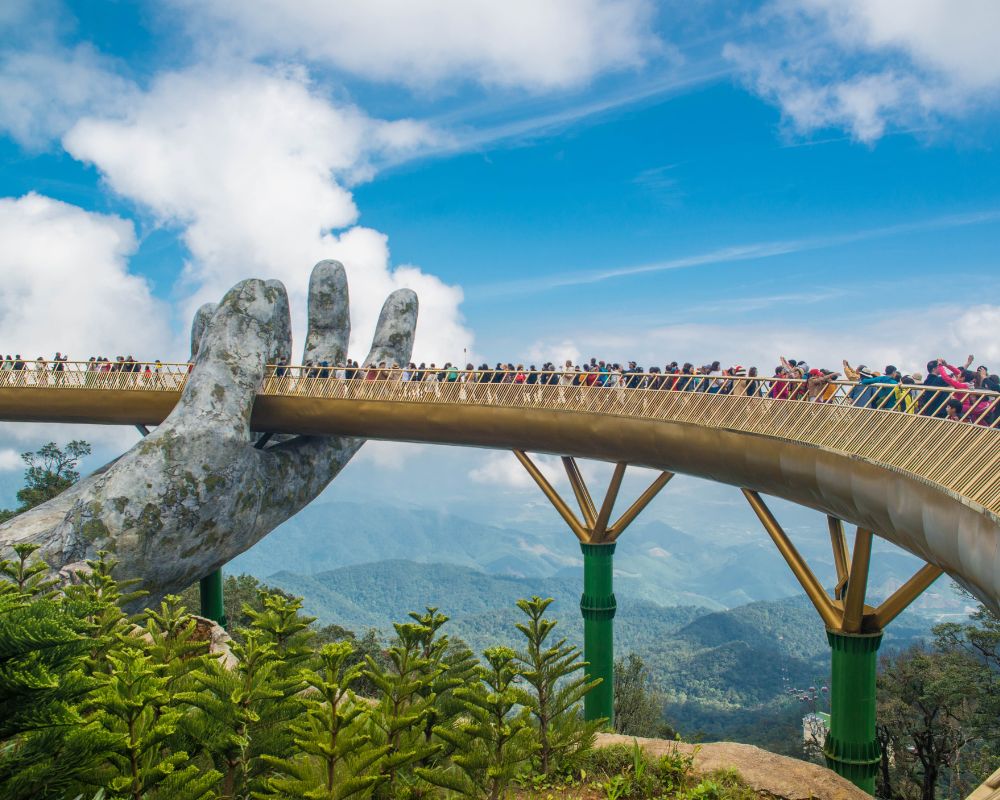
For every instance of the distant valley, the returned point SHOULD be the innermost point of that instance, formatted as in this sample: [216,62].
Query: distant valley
[719,569]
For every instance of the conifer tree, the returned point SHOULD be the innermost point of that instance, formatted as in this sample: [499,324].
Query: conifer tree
[407,698]
[238,704]
[28,578]
[281,622]
[493,741]
[45,745]
[336,758]
[133,705]
[98,599]
[171,642]
[448,665]
[555,673]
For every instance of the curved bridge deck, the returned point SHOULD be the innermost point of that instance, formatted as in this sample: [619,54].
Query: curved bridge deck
[930,485]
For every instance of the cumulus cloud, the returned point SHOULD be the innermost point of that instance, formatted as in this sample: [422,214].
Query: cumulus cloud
[518,43]
[254,165]
[66,284]
[865,65]
[10,460]
[44,91]
[503,471]
[945,331]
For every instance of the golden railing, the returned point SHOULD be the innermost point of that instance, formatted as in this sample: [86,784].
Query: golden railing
[888,424]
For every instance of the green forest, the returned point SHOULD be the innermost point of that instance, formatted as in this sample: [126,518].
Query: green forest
[97,703]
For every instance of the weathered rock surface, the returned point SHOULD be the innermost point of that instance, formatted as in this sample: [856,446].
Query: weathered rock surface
[196,492]
[772,775]
[218,640]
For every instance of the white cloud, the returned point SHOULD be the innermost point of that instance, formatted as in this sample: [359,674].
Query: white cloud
[10,460]
[504,471]
[947,331]
[518,43]
[867,64]
[542,351]
[44,91]
[955,39]
[254,165]
[65,283]
[65,286]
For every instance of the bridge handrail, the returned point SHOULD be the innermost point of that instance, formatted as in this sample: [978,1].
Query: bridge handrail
[867,421]
[309,381]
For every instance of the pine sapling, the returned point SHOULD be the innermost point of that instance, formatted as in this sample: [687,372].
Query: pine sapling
[237,704]
[132,705]
[336,758]
[406,698]
[172,641]
[555,673]
[28,577]
[493,741]
[99,598]
[448,665]
[281,622]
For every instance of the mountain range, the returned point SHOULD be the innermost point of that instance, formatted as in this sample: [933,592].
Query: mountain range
[722,567]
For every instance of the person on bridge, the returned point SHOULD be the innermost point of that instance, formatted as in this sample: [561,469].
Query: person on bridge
[820,386]
[883,398]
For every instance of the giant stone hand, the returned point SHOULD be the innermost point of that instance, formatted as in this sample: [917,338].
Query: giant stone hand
[196,492]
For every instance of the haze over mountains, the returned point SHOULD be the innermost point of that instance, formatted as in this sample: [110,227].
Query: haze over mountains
[727,565]
[717,616]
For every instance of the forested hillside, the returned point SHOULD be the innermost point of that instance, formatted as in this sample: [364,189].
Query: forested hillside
[722,564]
[717,670]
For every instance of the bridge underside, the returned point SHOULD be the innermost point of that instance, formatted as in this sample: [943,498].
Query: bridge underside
[928,520]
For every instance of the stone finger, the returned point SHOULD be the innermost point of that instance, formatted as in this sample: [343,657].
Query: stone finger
[329,315]
[397,324]
[282,346]
[198,325]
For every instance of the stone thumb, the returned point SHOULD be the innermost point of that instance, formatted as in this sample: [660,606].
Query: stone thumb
[237,342]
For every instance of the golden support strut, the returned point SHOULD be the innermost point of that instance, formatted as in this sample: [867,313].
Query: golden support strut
[857,582]
[594,529]
[906,594]
[854,631]
[583,497]
[846,612]
[814,589]
[560,505]
[841,559]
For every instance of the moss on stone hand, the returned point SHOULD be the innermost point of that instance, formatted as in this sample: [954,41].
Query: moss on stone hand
[94,529]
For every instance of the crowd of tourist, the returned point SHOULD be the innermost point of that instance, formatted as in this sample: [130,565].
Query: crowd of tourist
[945,390]
[975,398]
[41,367]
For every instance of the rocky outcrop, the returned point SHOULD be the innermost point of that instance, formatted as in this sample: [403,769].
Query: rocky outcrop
[196,492]
[771,775]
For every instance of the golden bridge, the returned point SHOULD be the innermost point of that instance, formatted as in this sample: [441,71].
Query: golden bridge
[859,455]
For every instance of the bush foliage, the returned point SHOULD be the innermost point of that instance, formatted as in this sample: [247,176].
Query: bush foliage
[95,703]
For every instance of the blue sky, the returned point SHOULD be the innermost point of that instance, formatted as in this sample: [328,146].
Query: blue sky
[617,178]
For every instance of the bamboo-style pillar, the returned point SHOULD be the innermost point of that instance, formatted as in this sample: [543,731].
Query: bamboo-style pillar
[213,605]
[597,542]
[854,631]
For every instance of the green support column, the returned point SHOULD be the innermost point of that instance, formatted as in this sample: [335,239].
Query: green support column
[598,608]
[212,606]
[851,748]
